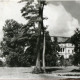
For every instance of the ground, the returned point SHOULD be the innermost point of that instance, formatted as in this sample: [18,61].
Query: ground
[25,73]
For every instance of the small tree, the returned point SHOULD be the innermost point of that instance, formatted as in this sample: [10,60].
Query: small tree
[11,33]
[56,49]
[62,60]
[75,39]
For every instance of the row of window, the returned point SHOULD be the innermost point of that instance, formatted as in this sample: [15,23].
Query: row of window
[63,50]
[66,45]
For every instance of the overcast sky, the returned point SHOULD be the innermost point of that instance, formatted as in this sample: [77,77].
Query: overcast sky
[63,16]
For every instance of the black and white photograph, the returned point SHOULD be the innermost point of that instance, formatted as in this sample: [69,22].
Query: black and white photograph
[40,39]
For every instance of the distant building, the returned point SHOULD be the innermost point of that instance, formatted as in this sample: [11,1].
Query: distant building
[66,47]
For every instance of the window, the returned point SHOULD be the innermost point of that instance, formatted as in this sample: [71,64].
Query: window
[63,49]
[68,51]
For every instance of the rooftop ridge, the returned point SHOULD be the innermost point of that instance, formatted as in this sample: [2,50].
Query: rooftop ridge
[60,36]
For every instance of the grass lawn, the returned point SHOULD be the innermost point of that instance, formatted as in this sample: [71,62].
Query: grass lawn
[25,73]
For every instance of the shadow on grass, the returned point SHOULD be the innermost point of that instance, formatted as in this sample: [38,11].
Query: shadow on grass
[69,79]
[75,70]
[50,70]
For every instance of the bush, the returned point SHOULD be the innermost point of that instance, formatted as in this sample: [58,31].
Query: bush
[1,64]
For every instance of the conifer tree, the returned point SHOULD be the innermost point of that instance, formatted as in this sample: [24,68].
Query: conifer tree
[33,13]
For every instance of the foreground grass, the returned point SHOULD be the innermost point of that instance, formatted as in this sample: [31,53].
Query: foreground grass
[25,73]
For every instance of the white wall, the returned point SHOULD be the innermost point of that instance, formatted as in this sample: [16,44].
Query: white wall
[67,49]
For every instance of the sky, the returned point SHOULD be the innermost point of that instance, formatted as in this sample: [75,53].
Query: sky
[63,16]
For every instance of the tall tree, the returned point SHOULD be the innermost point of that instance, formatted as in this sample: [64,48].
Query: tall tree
[33,12]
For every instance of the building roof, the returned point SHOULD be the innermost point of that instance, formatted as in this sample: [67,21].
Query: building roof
[68,40]
[61,39]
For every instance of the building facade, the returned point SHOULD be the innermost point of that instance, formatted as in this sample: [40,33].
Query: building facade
[66,47]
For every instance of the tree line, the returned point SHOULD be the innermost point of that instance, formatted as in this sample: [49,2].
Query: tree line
[20,45]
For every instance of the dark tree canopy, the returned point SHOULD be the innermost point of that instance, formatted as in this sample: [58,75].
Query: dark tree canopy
[14,41]
[75,39]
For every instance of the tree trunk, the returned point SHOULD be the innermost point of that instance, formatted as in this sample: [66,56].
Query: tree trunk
[44,44]
[38,65]
[38,69]
[38,48]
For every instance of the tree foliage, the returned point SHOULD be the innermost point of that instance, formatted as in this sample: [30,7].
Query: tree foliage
[14,42]
[52,56]
[75,39]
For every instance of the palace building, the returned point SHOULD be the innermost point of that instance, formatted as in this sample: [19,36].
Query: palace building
[66,47]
